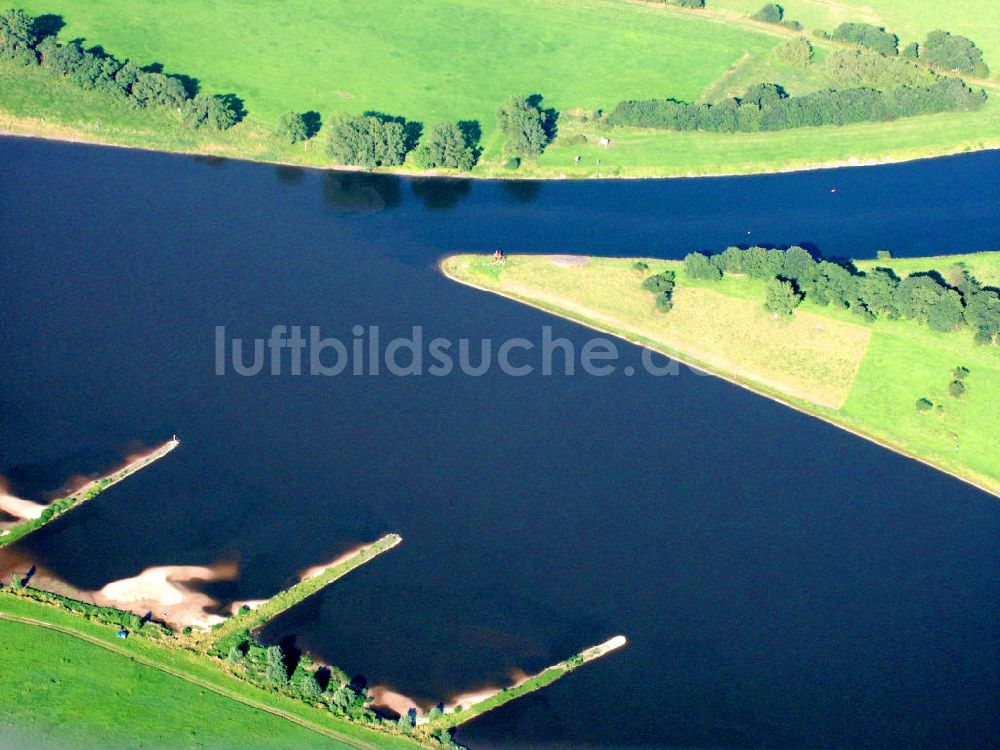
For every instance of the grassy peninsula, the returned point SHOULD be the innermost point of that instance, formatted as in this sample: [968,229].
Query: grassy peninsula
[889,380]
[583,56]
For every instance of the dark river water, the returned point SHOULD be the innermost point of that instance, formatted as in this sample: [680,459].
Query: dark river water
[782,583]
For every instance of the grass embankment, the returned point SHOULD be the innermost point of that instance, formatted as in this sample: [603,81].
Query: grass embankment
[582,56]
[865,377]
[528,685]
[251,619]
[69,682]
[87,492]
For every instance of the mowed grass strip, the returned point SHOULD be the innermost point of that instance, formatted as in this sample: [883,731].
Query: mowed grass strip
[866,377]
[207,676]
[57,691]
[808,357]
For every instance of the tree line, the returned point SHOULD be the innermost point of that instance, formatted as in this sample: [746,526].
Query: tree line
[774,13]
[768,107]
[292,673]
[30,41]
[941,49]
[794,274]
[378,140]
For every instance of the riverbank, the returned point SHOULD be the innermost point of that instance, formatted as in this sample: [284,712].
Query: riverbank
[88,491]
[34,104]
[186,682]
[861,377]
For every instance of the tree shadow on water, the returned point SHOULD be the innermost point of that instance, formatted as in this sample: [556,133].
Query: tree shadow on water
[439,193]
[522,191]
[361,192]
[289,175]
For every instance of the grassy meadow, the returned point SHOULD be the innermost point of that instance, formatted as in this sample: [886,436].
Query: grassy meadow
[57,691]
[82,687]
[863,376]
[458,60]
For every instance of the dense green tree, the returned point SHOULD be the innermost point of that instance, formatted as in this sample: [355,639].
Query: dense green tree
[766,107]
[367,141]
[445,146]
[60,59]
[156,89]
[867,35]
[953,52]
[276,672]
[698,266]
[18,37]
[770,13]
[731,260]
[524,124]
[210,111]
[911,51]
[798,265]
[292,128]
[781,297]
[762,263]
[947,313]
[924,405]
[662,285]
[877,291]
[982,314]
[916,295]
[309,689]
[406,722]
[956,388]
[797,52]
[831,284]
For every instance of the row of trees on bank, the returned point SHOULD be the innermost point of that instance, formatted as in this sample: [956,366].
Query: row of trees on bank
[292,673]
[31,41]
[767,107]
[794,274]
[378,140]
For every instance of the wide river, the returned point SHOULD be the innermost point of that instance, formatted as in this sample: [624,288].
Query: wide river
[782,583]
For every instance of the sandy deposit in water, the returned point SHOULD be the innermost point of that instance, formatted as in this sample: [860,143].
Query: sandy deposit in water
[16,506]
[166,591]
[384,697]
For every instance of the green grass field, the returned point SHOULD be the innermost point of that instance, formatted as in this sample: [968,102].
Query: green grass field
[866,377]
[442,59]
[61,691]
[458,60]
